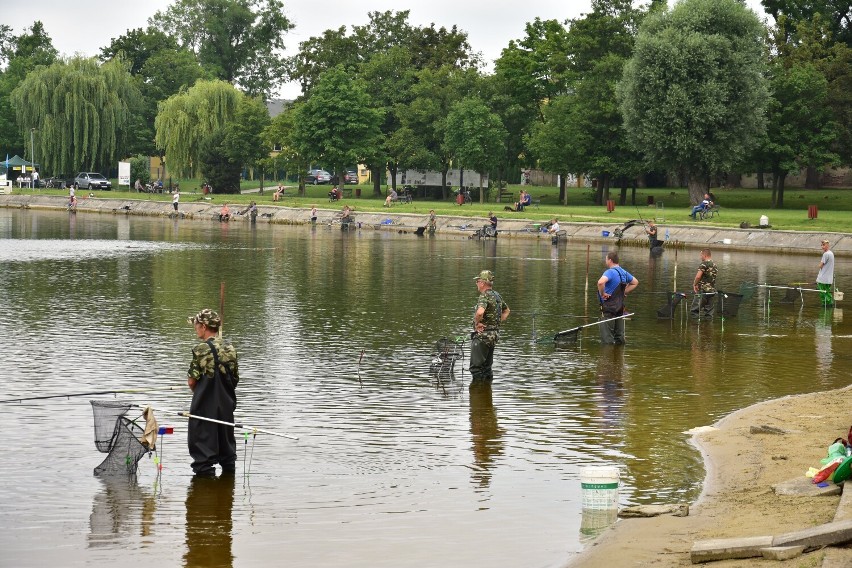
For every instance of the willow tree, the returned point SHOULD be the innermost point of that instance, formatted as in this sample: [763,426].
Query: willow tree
[185,119]
[80,110]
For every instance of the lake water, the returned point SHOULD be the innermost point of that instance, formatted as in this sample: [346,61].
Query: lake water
[335,332]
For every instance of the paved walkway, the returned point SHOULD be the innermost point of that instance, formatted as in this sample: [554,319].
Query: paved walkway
[688,235]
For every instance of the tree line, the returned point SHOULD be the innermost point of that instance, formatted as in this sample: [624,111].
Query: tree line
[704,91]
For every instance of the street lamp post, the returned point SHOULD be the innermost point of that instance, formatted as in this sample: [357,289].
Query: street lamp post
[32,157]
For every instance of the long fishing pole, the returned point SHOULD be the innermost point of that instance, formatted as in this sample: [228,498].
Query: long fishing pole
[245,427]
[578,328]
[92,393]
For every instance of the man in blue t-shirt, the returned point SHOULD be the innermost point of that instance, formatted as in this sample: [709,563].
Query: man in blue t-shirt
[613,285]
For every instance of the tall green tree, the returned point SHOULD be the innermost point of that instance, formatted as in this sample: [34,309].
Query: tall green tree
[836,13]
[80,109]
[337,125]
[801,131]
[161,68]
[238,41]
[694,94]
[812,43]
[279,134]
[419,143]
[19,55]
[475,137]
[244,136]
[187,118]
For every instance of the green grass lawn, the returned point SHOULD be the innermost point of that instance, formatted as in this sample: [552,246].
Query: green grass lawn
[671,205]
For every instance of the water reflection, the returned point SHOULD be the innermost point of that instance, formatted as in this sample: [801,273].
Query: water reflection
[394,456]
[485,434]
[611,392]
[119,509]
[209,505]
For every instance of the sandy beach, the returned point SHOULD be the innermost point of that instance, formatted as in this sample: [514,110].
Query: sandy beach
[737,499]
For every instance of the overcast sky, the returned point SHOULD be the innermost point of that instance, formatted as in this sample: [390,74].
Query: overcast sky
[84,26]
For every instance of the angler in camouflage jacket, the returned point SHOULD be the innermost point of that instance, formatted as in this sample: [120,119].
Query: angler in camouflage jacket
[490,312]
[704,286]
[213,396]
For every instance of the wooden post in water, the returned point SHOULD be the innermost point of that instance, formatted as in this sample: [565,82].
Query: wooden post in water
[588,248]
[221,307]
[674,280]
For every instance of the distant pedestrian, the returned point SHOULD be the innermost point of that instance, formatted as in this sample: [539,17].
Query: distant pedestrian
[613,286]
[176,199]
[314,214]
[825,278]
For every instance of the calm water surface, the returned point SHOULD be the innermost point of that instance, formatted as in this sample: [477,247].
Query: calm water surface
[394,468]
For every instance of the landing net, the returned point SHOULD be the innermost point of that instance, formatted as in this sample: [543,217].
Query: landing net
[447,352]
[119,437]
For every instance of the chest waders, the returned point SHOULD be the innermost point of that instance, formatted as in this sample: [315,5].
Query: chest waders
[209,443]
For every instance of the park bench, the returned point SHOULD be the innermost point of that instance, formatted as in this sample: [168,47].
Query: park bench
[708,212]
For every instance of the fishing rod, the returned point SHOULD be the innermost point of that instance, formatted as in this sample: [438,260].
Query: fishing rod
[789,288]
[245,427]
[92,393]
[578,328]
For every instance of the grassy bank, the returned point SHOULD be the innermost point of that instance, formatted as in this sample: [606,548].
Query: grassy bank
[671,205]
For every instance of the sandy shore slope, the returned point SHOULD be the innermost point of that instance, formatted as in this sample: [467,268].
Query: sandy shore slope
[737,499]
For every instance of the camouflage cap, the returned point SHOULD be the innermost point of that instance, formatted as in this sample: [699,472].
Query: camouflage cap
[206,317]
[485,275]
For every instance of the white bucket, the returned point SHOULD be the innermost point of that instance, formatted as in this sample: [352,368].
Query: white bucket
[838,296]
[600,487]
[726,241]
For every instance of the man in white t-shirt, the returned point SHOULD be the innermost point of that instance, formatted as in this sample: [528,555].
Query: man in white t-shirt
[35,178]
[825,278]
[176,199]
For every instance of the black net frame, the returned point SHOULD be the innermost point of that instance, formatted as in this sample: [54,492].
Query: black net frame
[667,311]
[107,413]
[730,303]
[567,336]
[791,295]
[447,352]
[126,451]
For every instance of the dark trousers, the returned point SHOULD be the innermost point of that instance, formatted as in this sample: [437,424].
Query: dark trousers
[612,332]
[481,360]
[703,306]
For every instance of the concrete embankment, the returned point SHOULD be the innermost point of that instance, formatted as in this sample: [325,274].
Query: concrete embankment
[692,235]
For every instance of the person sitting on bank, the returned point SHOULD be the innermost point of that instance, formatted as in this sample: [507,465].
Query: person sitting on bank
[524,201]
[278,193]
[334,194]
[705,205]
[392,196]
[225,213]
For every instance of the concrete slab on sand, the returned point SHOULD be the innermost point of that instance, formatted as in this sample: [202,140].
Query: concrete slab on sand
[728,548]
[805,487]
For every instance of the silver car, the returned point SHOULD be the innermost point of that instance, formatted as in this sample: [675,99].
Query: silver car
[91,180]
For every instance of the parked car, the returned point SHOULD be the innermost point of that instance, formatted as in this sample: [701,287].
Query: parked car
[317,177]
[351,176]
[91,180]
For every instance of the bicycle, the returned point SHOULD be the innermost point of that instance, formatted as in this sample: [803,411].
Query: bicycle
[466,199]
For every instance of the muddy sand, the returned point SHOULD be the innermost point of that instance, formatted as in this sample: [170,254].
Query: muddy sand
[737,499]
